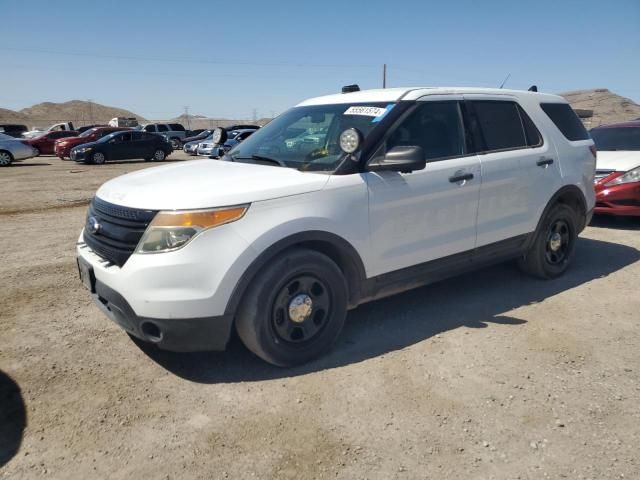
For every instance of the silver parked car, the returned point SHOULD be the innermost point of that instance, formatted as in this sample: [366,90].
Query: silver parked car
[14,150]
[191,148]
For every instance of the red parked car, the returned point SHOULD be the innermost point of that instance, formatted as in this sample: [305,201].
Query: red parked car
[44,144]
[64,145]
[618,168]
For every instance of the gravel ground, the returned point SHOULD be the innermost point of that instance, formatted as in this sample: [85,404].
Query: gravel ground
[488,375]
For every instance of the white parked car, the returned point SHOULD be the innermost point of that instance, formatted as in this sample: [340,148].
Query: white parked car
[13,150]
[280,239]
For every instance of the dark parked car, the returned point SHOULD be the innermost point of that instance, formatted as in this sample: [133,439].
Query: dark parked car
[63,146]
[45,143]
[123,146]
[12,129]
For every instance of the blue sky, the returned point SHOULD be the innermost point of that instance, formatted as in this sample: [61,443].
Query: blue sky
[225,59]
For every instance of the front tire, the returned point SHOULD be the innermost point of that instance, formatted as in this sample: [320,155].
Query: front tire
[294,309]
[176,144]
[98,158]
[36,151]
[553,247]
[159,155]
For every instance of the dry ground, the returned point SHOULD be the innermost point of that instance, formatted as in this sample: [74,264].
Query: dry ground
[489,375]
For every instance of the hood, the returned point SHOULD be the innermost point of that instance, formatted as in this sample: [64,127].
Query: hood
[206,184]
[620,160]
[90,144]
[70,140]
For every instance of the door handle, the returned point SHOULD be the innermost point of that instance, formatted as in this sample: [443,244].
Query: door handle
[461,177]
[544,162]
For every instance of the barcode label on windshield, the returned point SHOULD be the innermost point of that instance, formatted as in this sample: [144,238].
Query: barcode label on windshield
[365,111]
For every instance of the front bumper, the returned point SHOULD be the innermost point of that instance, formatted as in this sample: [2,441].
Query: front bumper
[185,294]
[62,151]
[621,200]
[78,156]
[177,335]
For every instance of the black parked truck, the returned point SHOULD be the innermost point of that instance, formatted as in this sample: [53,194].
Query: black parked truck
[13,129]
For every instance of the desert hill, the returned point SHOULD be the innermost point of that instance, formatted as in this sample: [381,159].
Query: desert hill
[607,107]
[77,111]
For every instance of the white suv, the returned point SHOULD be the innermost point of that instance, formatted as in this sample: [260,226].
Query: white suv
[340,200]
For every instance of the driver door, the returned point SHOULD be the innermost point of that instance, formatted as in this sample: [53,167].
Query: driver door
[428,214]
[120,146]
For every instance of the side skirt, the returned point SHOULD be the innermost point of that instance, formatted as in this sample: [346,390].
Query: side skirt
[433,271]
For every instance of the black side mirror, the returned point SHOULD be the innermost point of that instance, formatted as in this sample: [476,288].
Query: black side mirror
[400,159]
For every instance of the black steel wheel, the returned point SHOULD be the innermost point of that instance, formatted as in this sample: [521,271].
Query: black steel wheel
[553,245]
[301,309]
[294,308]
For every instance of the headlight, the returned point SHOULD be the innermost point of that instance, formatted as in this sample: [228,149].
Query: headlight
[173,230]
[82,149]
[629,177]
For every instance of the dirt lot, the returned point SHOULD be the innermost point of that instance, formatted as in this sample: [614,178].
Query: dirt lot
[489,375]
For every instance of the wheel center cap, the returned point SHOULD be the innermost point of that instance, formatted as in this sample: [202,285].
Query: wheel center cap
[300,308]
[555,242]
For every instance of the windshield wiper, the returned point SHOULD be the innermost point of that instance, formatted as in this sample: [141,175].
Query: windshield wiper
[261,158]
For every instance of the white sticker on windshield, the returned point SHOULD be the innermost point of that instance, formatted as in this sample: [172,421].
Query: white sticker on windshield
[366,111]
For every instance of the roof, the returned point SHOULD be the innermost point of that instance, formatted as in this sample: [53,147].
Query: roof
[630,124]
[413,93]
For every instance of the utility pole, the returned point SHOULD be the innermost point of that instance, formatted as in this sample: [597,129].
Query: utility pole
[186,113]
[384,76]
[255,115]
[90,111]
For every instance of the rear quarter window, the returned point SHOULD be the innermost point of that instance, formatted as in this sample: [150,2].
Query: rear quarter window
[563,116]
[176,127]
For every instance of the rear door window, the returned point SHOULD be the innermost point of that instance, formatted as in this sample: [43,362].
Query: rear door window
[500,125]
[163,128]
[563,116]
[532,134]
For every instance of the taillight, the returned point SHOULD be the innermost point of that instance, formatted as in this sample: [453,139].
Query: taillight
[594,151]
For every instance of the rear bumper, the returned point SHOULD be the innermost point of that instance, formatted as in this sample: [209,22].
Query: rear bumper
[174,334]
[621,200]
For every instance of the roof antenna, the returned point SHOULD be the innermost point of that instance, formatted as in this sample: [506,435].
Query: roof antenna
[505,81]
[533,88]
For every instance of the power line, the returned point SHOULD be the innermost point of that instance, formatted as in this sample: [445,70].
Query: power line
[186,60]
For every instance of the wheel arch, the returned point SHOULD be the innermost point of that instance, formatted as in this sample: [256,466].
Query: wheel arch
[569,195]
[333,246]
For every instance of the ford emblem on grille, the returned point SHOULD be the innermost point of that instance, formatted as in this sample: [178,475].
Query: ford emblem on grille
[93,225]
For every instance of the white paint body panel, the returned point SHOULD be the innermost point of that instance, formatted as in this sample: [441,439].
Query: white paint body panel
[392,220]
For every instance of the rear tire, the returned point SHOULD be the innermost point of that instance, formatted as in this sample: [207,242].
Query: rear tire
[36,152]
[176,144]
[294,309]
[6,158]
[554,244]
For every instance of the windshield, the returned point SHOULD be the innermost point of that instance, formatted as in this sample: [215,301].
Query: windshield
[307,138]
[617,138]
[106,138]
[86,133]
